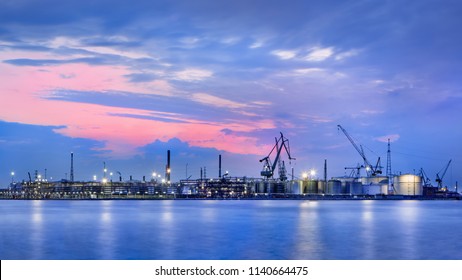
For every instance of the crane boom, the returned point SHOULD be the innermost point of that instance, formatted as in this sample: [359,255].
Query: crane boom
[369,167]
[269,167]
[439,179]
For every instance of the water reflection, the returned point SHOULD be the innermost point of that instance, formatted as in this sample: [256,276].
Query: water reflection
[408,215]
[106,232]
[36,232]
[230,230]
[367,233]
[307,244]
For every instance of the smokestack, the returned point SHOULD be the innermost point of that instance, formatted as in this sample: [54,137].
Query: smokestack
[219,166]
[167,171]
[72,167]
[325,171]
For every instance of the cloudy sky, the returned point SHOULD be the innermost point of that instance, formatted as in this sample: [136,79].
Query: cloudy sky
[121,82]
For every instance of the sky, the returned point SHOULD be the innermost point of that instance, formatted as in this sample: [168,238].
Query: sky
[121,82]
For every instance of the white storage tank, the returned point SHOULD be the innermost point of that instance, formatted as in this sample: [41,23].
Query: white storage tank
[373,180]
[321,186]
[372,189]
[356,188]
[408,184]
[295,187]
[334,187]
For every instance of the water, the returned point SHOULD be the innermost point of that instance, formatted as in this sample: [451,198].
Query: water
[267,229]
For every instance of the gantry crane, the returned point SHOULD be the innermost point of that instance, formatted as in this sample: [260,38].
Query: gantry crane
[370,169]
[439,179]
[269,167]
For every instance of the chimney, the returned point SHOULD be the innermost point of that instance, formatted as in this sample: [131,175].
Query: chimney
[167,171]
[219,166]
[72,167]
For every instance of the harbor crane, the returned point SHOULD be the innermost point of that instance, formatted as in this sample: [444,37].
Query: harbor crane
[370,169]
[269,167]
[439,179]
[425,179]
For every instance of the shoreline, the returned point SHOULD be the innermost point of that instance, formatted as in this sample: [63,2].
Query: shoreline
[259,197]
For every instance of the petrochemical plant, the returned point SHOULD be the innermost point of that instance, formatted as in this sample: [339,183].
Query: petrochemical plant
[373,185]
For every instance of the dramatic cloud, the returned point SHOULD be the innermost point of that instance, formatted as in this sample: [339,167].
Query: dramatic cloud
[229,77]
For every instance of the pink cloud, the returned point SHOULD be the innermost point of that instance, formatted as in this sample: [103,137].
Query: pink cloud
[23,88]
[384,139]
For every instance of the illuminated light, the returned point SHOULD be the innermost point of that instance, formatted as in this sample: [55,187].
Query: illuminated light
[104,180]
[312,172]
[305,175]
[12,173]
[154,174]
[105,170]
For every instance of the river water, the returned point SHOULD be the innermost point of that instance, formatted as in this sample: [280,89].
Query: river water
[230,229]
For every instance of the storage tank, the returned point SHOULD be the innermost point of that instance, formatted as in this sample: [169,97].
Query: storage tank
[372,189]
[334,187]
[264,187]
[408,184]
[356,188]
[268,186]
[295,187]
[310,186]
[321,187]
[373,180]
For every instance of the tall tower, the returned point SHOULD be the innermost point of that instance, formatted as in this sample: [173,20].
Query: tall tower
[389,175]
[72,167]
[167,171]
[219,166]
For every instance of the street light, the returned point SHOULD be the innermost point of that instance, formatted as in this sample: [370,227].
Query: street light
[312,173]
[12,177]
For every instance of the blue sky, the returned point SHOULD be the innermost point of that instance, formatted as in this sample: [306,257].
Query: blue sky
[123,81]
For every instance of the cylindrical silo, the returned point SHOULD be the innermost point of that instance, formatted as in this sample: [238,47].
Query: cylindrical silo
[356,188]
[295,187]
[334,187]
[372,189]
[322,187]
[408,184]
[310,186]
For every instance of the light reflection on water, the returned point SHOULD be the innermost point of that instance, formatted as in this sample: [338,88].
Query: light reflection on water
[268,229]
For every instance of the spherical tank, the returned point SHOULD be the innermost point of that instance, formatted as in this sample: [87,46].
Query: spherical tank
[408,184]
[334,187]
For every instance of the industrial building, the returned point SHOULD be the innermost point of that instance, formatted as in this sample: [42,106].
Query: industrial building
[373,185]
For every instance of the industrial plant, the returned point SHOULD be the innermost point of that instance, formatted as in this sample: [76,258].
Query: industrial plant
[275,182]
